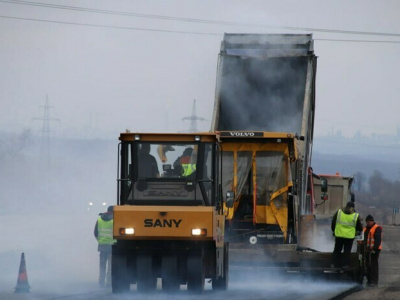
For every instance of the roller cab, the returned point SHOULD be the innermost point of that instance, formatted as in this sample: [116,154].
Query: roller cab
[169,222]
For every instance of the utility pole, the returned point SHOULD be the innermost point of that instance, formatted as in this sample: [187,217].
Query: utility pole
[193,118]
[46,119]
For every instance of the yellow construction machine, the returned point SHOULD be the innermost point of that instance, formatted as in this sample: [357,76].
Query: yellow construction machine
[269,224]
[169,221]
[264,110]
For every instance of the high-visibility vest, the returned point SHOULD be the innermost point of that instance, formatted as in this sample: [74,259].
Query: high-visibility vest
[105,232]
[346,225]
[371,237]
[188,169]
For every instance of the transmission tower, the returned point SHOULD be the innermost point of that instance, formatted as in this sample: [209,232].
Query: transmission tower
[193,118]
[46,119]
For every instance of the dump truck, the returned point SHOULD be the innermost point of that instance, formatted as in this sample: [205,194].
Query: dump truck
[264,111]
[169,220]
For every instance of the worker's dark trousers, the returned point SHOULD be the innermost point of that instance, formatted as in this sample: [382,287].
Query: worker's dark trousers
[105,268]
[373,268]
[345,244]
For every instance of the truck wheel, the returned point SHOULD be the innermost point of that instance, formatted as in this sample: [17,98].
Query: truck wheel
[195,273]
[169,273]
[119,271]
[146,279]
[222,282]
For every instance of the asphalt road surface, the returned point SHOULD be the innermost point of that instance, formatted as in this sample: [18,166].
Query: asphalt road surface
[246,284]
[389,267]
[62,263]
[286,291]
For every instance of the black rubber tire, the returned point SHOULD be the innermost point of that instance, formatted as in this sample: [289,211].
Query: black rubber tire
[195,273]
[221,283]
[119,271]
[146,279]
[169,273]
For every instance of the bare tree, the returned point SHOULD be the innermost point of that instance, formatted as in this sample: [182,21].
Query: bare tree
[359,181]
[11,147]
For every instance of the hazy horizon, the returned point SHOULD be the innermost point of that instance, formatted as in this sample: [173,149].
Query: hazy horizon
[106,67]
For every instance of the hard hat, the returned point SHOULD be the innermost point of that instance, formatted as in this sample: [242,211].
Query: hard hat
[187,152]
[369,218]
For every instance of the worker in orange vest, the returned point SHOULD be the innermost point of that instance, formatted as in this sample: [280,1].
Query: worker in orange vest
[373,246]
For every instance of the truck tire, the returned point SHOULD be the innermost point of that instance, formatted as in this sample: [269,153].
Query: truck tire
[195,273]
[169,273]
[146,279]
[222,282]
[119,271]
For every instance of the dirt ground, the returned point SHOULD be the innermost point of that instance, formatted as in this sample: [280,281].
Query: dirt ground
[389,267]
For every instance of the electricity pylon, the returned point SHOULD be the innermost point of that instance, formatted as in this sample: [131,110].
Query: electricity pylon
[46,119]
[193,118]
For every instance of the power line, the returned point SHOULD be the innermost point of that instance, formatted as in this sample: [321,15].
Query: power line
[109,26]
[196,20]
[120,13]
[172,31]
[343,31]
[357,41]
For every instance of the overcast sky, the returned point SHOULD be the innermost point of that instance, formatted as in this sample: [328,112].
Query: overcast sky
[107,66]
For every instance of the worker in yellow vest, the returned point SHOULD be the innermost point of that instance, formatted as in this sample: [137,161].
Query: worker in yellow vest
[184,164]
[373,244]
[103,231]
[345,223]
